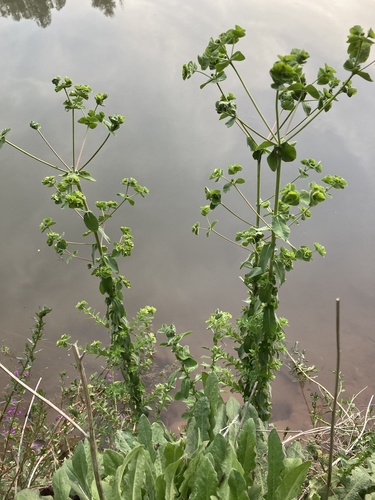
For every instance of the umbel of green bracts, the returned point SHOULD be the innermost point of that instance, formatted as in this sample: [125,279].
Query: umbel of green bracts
[268,222]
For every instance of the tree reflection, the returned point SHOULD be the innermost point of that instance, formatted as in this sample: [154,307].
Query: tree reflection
[40,10]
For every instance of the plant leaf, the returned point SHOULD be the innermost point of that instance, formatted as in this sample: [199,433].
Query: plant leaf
[280,227]
[91,222]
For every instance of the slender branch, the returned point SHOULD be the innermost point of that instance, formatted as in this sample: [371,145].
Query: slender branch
[90,421]
[83,146]
[333,415]
[252,208]
[227,239]
[253,101]
[21,438]
[34,157]
[246,126]
[96,152]
[52,149]
[45,400]
[235,215]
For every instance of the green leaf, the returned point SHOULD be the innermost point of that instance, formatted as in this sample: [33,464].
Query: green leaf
[201,413]
[205,481]
[112,263]
[237,56]
[188,70]
[220,66]
[254,272]
[239,181]
[169,477]
[275,464]
[364,75]
[269,320]
[280,227]
[233,169]
[273,159]
[61,487]
[320,249]
[144,433]
[291,484]
[129,480]
[112,460]
[218,450]
[313,91]
[34,495]
[85,175]
[2,136]
[265,255]
[288,151]
[91,222]
[232,408]
[219,77]
[212,392]
[246,450]
[237,486]
[192,438]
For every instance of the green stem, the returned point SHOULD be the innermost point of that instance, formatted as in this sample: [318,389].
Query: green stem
[253,101]
[247,127]
[236,215]
[276,195]
[96,152]
[277,185]
[34,157]
[83,146]
[73,143]
[52,149]
[251,207]
[227,239]
[95,233]
[259,162]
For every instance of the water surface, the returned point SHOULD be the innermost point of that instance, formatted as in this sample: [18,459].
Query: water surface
[171,141]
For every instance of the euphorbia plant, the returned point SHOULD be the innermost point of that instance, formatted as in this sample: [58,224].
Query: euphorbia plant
[131,343]
[268,220]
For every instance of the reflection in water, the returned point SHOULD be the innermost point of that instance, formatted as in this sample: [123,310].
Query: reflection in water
[40,10]
[171,143]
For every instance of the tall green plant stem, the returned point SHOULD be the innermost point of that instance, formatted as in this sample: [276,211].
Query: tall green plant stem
[259,165]
[96,234]
[275,212]
[277,184]
[90,421]
[34,157]
[73,143]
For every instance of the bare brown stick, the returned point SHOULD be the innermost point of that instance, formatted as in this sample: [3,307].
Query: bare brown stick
[333,416]
[90,420]
[45,400]
[21,438]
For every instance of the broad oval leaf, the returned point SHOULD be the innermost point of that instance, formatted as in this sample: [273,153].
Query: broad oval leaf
[91,222]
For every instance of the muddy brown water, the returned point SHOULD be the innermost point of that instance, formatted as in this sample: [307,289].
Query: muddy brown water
[170,142]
